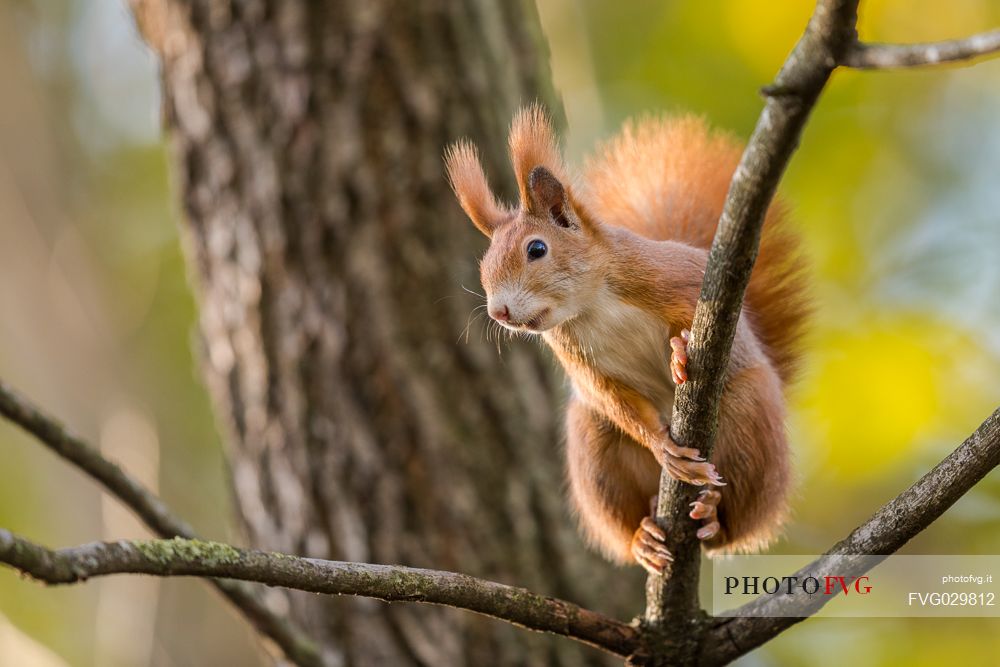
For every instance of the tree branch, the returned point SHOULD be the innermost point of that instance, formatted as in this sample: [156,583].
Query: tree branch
[673,616]
[182,557]
[295,644]
[674,607]
[891,56]
[674,627]
[884,533]
[208,559]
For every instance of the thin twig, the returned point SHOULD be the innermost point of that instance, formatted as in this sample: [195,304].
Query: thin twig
[884,533]
[182,557]
[892,56]
[296,645]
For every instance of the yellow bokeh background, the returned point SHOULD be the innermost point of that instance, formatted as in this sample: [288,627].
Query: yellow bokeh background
[896,191]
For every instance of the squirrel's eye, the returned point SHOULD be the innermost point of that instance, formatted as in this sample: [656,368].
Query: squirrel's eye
[537,249]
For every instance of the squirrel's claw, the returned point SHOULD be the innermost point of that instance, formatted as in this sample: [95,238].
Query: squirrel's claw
[687,464]
[678,357]
[706,511]
[673,449]
[709,531]
[648,547]
[698,473]
[706,505]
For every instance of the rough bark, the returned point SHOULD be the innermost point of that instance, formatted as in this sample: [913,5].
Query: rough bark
[392,583]
[329,257]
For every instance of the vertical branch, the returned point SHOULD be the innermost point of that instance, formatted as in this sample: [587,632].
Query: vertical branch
[672,600]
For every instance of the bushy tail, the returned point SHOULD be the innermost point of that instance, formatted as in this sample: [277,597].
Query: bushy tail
[666,179]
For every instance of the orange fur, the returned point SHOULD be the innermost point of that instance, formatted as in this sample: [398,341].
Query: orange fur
[667,179]
[625,255]
[468,180]
[532,143]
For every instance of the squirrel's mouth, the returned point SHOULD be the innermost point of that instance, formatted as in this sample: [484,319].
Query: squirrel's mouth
[535,323]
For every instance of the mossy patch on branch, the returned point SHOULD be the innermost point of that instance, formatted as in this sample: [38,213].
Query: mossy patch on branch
[166,552]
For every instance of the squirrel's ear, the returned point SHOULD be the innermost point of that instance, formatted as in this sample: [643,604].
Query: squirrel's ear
[547,196]
[469,183]
[533,143]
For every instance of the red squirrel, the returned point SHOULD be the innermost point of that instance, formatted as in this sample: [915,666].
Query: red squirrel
[607,269]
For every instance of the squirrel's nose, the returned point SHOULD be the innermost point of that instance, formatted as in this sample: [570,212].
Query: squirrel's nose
[500,313]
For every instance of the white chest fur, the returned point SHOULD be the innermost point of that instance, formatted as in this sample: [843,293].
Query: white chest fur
[626,343]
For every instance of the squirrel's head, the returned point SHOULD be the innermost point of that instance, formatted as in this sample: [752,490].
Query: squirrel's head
[539,269]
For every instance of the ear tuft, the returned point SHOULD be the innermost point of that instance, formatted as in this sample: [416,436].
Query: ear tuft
[546,195]
[533,143]
[465,172]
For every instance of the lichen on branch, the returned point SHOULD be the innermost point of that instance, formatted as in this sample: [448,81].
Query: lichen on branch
[199,558]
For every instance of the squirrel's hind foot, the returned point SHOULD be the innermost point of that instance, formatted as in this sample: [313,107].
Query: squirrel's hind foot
[706,510]
[649,547]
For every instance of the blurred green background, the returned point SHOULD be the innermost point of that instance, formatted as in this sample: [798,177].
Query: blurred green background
[896,189]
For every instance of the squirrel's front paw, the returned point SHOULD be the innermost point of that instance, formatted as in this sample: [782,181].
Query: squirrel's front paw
[679,357]
[698,473]
[686,463]
[671,448]
[649,547]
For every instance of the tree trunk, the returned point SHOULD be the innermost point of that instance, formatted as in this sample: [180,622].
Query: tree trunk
[330,259]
